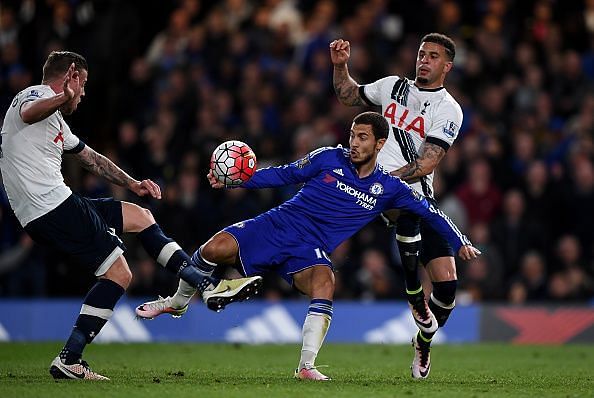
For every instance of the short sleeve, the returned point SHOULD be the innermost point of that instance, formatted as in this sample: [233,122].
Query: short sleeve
[446,125]
[31,94]
[373,93]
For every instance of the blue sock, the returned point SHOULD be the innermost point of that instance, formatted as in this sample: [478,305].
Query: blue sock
[320,306]
[203,265]
[96,310]
[171,256]
[206,268]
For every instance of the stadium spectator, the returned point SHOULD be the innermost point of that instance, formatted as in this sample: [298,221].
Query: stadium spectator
[530,283]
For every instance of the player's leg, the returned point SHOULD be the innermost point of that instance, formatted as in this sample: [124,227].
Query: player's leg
[318,283]
[438,257]
[75,227]
[96,310]
[221,249]
[442,272]
[163,249]
[408,236]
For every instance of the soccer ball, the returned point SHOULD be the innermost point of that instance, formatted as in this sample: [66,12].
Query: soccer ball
[233,163]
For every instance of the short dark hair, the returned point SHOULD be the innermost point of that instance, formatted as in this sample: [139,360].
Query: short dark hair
[443,40]
[58,62]
[378,123]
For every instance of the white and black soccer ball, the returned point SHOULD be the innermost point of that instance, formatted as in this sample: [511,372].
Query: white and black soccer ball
[233,163]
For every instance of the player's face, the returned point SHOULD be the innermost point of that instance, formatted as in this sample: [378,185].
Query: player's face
[79,92]
[364,146]
[432,65]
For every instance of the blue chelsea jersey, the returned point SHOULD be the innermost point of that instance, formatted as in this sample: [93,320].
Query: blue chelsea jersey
[334,202]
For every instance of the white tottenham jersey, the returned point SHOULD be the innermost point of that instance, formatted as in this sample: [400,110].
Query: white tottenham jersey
[415,115]
[31,158]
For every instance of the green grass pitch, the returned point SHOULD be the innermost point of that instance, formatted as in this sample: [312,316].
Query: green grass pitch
[226,370]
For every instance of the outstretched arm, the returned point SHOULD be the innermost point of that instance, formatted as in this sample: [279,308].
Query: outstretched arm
[408,199]
[347,89]
[268,177]
[103,167]
[429,157]
[297,172]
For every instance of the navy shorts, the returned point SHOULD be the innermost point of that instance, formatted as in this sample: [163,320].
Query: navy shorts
[433,245]
[86,229]
[265,245]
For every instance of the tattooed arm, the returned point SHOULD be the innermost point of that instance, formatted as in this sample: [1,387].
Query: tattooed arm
[101,166]
[347,90]
[429,157]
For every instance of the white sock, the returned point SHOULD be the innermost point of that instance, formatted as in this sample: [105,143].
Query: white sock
[184,294]
[315,327]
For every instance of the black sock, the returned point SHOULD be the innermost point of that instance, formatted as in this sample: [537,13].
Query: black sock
[424,339]
[408,236]
[96,310]
[409,255]
[205,267]
[162,249]
[443,300]
[171,256]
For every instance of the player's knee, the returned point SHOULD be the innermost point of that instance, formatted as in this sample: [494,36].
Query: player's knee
[146,217]
[120,273]
[219,249]
[136,218]
[126,278]
[209,250]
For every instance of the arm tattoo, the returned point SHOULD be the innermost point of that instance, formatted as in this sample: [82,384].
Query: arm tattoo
[409,172]
[429,157]
[347,90]
[103,167]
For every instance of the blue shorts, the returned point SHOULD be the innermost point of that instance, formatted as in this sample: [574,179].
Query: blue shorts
[433,245]
[86,229]
[266,246]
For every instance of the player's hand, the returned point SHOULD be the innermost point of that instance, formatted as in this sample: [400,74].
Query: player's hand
[213,181]
[340,51]
[468,252]
[146,187]
[70,82]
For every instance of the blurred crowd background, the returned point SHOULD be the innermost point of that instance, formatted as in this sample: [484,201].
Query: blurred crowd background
[170,80]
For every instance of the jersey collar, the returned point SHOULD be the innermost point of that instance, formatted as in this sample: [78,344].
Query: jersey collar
[354,170]
[429,89]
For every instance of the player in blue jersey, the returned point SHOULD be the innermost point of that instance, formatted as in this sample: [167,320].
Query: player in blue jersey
[344,190]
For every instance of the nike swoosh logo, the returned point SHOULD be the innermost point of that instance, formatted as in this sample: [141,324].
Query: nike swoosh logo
[424,324]
[424,373]
[77,375]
